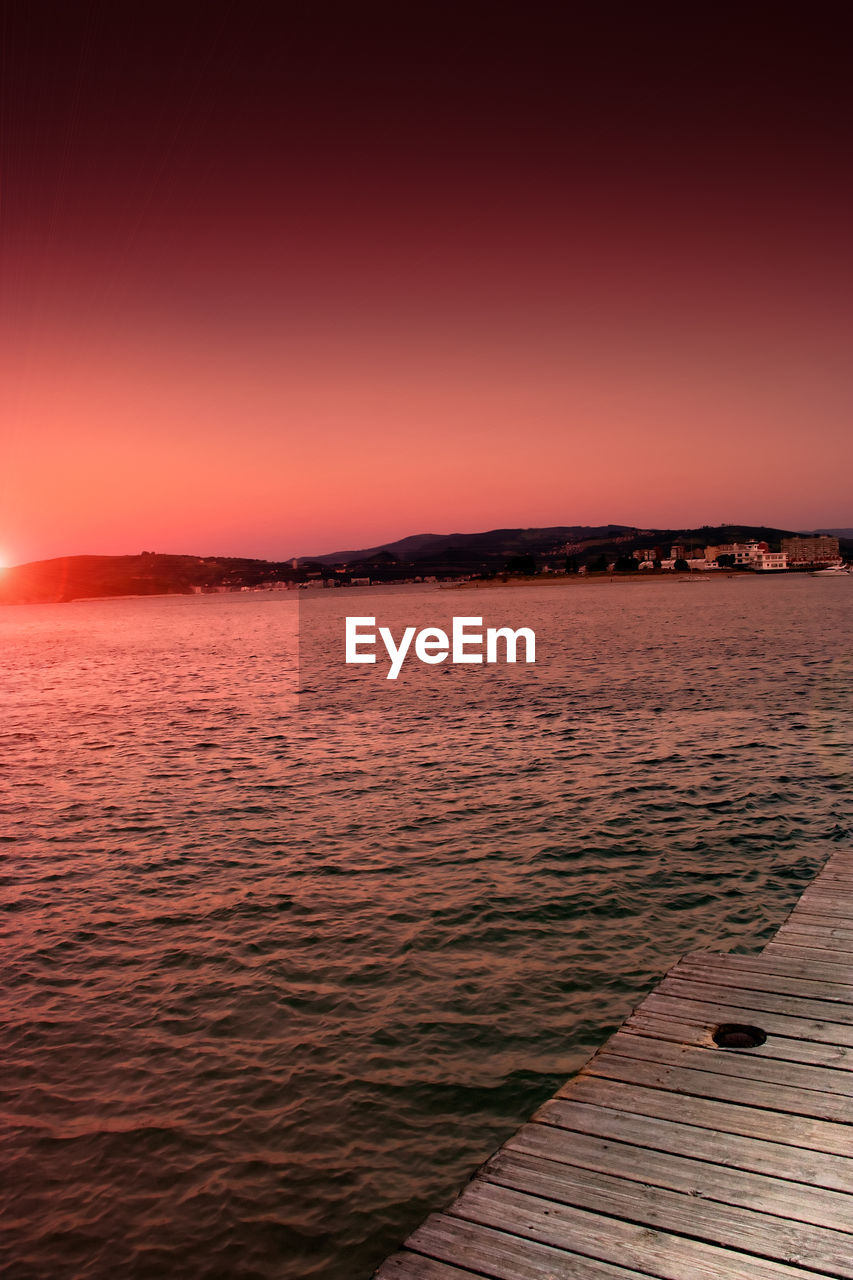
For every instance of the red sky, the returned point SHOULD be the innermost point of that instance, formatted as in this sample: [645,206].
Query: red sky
[281,290]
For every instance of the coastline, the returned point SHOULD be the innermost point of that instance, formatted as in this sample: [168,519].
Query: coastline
[550,580]
[583,579]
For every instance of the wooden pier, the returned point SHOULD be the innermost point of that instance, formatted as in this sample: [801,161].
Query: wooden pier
[669,1156]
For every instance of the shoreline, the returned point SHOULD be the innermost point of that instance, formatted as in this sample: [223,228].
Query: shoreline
[578,579]
[534,580]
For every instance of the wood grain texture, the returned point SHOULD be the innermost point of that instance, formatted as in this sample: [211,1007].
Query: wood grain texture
[714,1222]
[837,972]
[696,1031]
[610,1239]
[669,1157]
[786,1098]
[747,1064]
[796,1164]
[688,1173]
[723,976]
[722,1117]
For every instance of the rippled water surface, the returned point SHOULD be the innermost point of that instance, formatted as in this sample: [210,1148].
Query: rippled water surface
[275,979]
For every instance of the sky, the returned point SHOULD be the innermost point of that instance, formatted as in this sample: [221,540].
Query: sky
[278,283]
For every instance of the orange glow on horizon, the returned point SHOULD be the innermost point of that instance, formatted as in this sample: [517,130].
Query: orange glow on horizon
[355,297]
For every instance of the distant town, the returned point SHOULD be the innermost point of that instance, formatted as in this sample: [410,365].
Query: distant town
[795,553]
[498,554]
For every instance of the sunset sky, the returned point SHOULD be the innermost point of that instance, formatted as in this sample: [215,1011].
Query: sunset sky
[280,286]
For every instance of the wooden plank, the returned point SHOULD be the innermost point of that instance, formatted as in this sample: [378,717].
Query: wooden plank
[724,1088]
[838,973]
[414,1266]
[722,975]
[839,927]
[712,1013]
[669,1158]
[831,939]
[836,898]
[806,926]
[819,887]
[837,953]
[840,953]
[838,907]
[793,1006]
[710,1221]
[829,928]
[778,1160]
[822,896]
[816,918]
[488,1250]
[796,951]
[625,1244]
[698,1032]
[743,1063]
[694,1177]
[838,889]
[830,954]
[833,906]
[724,1117]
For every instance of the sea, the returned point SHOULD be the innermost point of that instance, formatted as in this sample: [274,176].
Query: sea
[289,948]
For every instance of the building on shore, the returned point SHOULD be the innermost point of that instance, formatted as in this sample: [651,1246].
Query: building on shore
[768,561]
[750,555]
[741,551]
[745,555]
[819,550]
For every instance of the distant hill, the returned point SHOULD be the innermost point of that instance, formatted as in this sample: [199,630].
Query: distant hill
[435,548]
[490,551]
[400,549]
[79,577]
[421,555]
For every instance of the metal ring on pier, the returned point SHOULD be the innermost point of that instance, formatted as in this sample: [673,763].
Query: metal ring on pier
[737,1035]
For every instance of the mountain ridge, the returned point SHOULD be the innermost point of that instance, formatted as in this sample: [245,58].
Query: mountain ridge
[418,556]
[421,541]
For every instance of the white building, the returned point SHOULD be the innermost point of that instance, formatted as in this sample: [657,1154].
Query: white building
[741,551]
[769,561]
